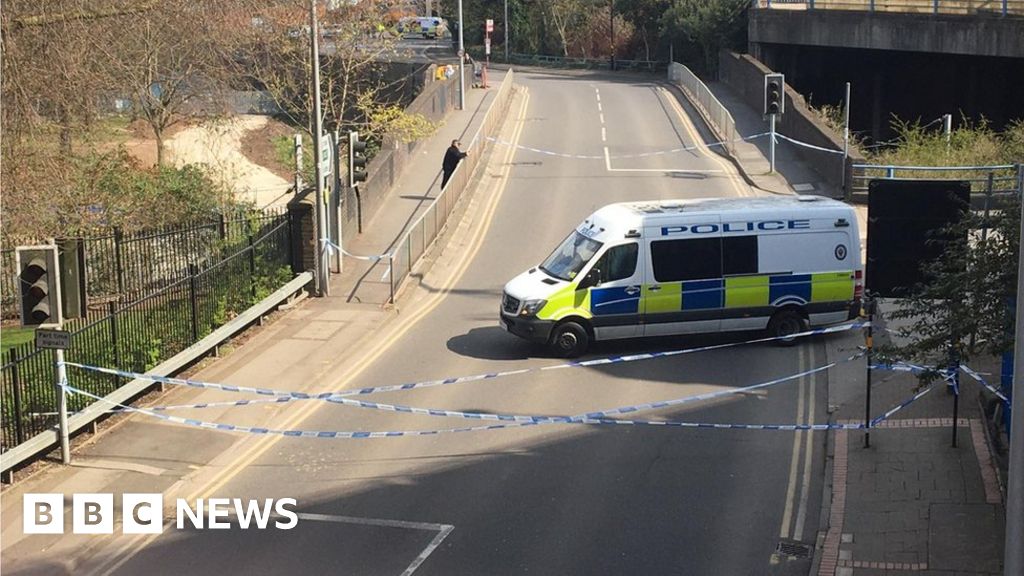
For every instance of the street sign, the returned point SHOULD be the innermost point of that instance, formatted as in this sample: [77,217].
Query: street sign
[53,339]
[490,25]
[487,46]
[326,165]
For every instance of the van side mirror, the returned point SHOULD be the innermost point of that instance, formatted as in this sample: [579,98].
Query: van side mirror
[593,278]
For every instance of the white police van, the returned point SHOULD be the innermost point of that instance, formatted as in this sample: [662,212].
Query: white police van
[635,269]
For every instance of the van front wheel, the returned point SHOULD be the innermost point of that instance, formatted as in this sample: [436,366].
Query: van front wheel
[784,324]
[569,340]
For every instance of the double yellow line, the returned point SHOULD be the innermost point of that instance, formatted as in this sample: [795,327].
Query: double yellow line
[384,343]
[738,184]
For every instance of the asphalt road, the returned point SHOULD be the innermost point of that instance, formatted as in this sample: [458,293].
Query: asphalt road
[559,499]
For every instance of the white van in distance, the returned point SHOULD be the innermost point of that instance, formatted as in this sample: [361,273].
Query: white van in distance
[635,269]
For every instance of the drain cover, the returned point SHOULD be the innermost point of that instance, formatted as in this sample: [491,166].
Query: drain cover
[793,549]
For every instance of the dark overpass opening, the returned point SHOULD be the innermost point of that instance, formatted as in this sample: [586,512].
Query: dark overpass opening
[908,85]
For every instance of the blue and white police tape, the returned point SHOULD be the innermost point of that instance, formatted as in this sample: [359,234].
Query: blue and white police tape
[889,413]
[506,421]
[334,248]
[596,417]
[290,433]
[980,380]
[806,145]
[623,156]
[449,381]
[593,415]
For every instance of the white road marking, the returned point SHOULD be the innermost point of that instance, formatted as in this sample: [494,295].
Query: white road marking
[787,513]
[604,135]
[599,109]
[801,516]
[443,530]
[602,117]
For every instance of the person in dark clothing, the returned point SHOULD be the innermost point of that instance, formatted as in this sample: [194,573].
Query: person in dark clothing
[451,160]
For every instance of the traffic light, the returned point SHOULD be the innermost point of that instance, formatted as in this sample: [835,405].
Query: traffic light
[38,285]
[356,160]
[774,94]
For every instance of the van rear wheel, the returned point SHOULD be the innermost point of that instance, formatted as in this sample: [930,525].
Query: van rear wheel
[569,340]
[784,324]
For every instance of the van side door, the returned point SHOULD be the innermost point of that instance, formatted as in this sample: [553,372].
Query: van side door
[684,289]
[614,283]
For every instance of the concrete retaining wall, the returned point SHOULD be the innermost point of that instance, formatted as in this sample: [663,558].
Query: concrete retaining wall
[745,75]
[975,35]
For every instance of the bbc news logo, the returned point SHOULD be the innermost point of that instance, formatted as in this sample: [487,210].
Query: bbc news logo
[143,513]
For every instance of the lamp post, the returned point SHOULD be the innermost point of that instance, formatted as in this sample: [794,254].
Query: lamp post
[323,288]
[462,64]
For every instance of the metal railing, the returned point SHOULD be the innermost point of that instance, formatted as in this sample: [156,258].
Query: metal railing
[709,106]
[126,266]
[141,334]
[958,7]
[989,184]
[586,63]
[425,229]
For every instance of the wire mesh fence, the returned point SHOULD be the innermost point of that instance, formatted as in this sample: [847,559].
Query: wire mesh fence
[252,261]
[125,266]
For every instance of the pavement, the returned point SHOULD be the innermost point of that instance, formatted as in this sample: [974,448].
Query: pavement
[906,500]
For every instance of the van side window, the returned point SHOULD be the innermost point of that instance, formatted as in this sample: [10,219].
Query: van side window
[619,262]
[739,255]
[694,259]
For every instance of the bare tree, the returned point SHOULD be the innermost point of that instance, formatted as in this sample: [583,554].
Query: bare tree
[273,52]
[170,61]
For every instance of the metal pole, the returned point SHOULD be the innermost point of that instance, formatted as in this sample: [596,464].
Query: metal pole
[869,305]
[298,163]
[321,214]
[462,64]
[846,138]
[947,126]
[62,405]
[954,366]
[336,196]
[1013,561]
[771,144]
[506,31]
[19,424]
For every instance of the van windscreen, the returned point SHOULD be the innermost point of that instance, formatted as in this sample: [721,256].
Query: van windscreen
[570,257]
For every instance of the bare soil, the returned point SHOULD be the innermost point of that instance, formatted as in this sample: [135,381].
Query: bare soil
[258,147]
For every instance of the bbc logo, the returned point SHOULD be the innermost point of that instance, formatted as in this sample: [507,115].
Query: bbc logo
[143,513]
[93,513]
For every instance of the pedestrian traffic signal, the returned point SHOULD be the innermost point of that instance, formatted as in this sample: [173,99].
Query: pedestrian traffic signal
[356,160]
[38,285]
[774,94]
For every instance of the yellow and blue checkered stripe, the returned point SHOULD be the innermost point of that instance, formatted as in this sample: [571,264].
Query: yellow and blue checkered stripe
[751,292]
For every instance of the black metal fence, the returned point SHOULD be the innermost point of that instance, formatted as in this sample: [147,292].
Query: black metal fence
[126,266]
[207,292]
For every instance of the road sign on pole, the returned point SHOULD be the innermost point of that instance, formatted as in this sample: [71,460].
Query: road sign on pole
[53,339]
[326,160]
[487,46]
[490,26]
